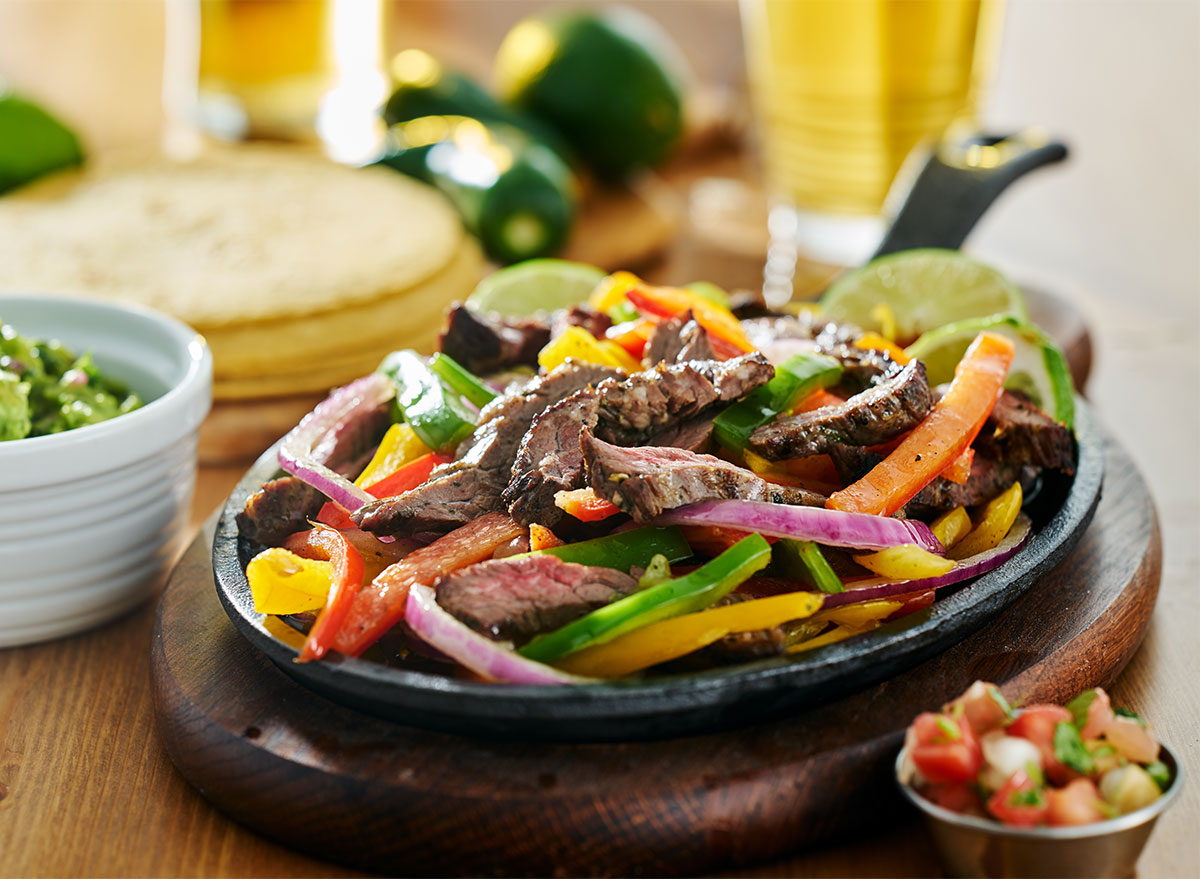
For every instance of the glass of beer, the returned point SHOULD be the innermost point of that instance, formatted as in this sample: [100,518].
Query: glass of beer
[843,90]
[292,70]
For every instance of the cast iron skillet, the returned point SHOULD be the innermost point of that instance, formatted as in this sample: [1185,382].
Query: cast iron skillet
[732,695]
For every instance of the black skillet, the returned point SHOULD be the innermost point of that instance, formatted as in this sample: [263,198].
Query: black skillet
[731,696]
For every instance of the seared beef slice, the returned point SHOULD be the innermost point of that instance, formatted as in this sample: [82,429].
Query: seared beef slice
[516,598]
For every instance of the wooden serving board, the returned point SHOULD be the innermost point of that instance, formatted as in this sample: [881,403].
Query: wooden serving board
[351,788]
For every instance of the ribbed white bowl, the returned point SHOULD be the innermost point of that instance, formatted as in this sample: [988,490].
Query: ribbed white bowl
[91,519]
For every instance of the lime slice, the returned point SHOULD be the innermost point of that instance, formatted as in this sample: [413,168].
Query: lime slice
[924,289]
[32,143]
[1039,368]
[533,286]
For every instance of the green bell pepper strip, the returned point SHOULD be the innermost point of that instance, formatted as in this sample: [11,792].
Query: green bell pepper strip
[795,379]
[803,560]
[460,380]
[439,419]
[626,549]
[701,588]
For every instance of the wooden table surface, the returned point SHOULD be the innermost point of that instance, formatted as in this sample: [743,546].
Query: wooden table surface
[85,788]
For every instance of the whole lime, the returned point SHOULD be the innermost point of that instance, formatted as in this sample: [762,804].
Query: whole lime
[32,142]
[609,80]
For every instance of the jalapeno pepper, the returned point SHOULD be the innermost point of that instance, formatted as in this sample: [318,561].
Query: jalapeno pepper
[696,591]
[460,380]
[439,418]
[795,379]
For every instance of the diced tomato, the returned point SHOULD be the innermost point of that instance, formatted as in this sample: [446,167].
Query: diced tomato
[982,706]
[1099,715]
[945,750]
[1019,802]
[1036,723]
[1077,803]
[959,798]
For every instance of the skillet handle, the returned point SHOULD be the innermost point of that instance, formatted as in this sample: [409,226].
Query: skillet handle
[959,181]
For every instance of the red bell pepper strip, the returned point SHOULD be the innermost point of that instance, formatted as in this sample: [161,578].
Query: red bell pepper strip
[585,505]
[408,477]
[380,605]
[632,336]
[940,438]
[724,330]
[347,578]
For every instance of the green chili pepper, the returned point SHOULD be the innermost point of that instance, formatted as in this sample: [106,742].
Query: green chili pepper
[701,588]
[438,418]
[628,549]
[460,380]
[803,560]
[795,379]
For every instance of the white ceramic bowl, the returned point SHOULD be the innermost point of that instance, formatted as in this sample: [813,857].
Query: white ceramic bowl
[91,519]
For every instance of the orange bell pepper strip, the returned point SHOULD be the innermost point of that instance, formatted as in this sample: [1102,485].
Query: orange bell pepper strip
[724,330]
[959,470]
[934,443]
[632,336]
[380,605]
[541,537]
[818,399]
[347,579]
[408,477]
[585,505]
[876,342]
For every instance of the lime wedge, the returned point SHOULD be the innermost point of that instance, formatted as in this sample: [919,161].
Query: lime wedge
[924,289]
[533,286]
[1039,368]
[32,143]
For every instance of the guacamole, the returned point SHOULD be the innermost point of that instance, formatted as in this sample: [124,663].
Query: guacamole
[44,388]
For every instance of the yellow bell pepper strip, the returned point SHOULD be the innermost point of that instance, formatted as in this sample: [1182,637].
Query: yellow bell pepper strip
[949,528]
[437,416]
[282,582]
[724,330]
[460,380]
[626,549]
[610,292]
[408,477]
[346,580]
[626,360]
[959,470]
[876,342]
[541,537]
[281,631]
[578,344]
[795,379]
[883,315]
[998,517]
[803,560]
[399,446]
[861,614]
[670,639]
[380,605]
[585,505]
[837,633]
[701,588]
[940,438]
[906,562]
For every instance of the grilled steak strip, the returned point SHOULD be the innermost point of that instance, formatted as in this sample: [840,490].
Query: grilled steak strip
[515,599]
[467,488]
[677,340]
[489,343]
[284,506]
[1019,430]
[874,416]
[646,481]
[627,411]
[583,316]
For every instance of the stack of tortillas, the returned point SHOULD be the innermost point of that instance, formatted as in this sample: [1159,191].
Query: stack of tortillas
[302,274]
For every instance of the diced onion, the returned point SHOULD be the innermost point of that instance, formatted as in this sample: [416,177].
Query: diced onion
[464,645]
[964,569]
[322,428]
[828,527]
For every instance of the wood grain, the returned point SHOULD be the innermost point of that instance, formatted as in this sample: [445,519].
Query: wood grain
[326,779]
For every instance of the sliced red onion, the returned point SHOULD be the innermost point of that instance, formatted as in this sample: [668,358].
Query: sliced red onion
[830,527]
[298,451]
[972,566]
[485,657]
